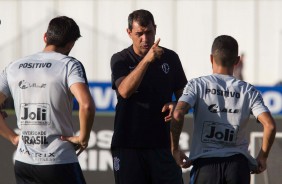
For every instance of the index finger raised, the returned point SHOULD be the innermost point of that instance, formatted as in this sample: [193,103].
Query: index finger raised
[157,42]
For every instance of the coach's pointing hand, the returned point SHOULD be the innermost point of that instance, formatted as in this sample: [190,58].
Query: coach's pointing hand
[155,52]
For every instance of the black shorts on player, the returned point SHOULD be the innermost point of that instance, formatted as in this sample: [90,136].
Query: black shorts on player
[48,174]
[221,170]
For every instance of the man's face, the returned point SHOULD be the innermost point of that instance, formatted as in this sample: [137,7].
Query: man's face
[142,37]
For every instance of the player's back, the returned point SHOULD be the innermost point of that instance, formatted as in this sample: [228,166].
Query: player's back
[39,85]
[222,107]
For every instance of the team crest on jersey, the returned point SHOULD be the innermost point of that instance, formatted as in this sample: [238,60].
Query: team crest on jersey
[165,68]
[116,163]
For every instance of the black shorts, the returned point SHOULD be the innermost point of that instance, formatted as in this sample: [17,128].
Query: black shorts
[221,170]
[47,174]
[145,166]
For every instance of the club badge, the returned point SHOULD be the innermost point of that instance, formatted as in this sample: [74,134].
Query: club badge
[165,68]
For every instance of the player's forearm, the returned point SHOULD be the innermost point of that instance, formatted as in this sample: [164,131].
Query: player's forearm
[269,131]
[176,128]
[6,132]
[86,118]
[268,139]
[175,131]
[130,83]
[177,123]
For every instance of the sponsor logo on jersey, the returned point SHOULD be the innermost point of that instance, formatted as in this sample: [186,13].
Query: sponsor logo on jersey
[24,151]
[165,68]
[35,65]
[34,132]
[219,133]
[214,108]
[24,85]
[48,156]
[36,114]
[34,139]
[223,93]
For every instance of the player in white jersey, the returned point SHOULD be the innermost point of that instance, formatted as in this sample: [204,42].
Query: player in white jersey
[42,86]
[222,106]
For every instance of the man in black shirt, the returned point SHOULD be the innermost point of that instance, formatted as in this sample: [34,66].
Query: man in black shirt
[145,77]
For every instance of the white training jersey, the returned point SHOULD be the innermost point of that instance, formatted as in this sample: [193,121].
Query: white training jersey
[40,86]
[222,106]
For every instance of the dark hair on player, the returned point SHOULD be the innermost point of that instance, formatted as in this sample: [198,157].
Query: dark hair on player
[143,17]
[225,50]
[62,30]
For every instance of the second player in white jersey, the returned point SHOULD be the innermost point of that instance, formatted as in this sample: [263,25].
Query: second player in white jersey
[222,105]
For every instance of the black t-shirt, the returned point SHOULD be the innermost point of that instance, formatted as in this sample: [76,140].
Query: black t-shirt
[139,122]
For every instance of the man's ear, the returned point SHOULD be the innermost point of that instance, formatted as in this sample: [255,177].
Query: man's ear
[211,58]
[237,60]
[45,37]
[128,32]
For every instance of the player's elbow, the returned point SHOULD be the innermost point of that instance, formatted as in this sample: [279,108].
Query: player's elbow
[124,94]
[178,115]
[88,106]
[271,127]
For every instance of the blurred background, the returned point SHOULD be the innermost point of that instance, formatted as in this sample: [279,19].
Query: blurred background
[185,26]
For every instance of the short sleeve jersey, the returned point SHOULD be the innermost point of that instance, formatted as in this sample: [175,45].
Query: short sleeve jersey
[222,107]
[40,86]
[139,122]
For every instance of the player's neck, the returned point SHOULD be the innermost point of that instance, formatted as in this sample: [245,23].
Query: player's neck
[223,70]
[53,48]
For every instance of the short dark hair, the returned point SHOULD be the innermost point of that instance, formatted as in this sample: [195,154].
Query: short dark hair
[62,30]
[143,17]
[225,50]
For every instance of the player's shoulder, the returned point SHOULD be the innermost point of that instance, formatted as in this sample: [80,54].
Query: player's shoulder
[202,79]
[243,86]
[65,59]
[198,81]
[248,87]
[26,59]
[71,59]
